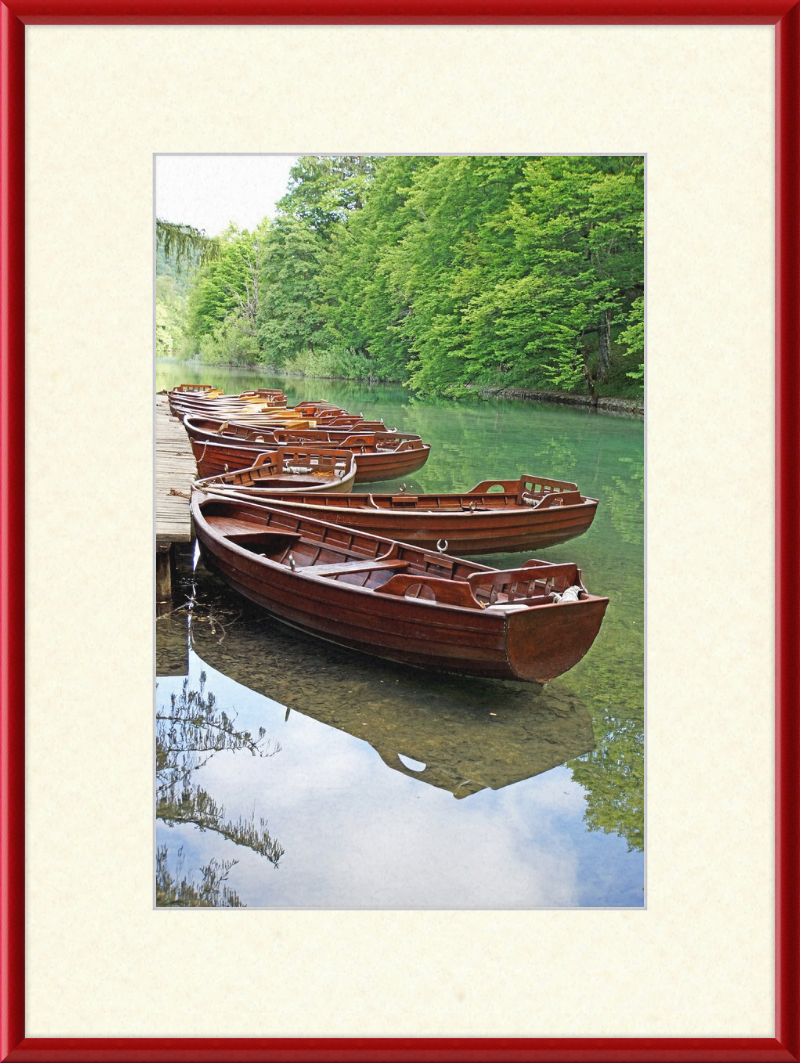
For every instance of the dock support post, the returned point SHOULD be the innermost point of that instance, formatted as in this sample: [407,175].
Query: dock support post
[165,563]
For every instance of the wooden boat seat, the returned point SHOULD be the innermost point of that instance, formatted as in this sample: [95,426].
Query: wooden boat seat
[530,573]
[265,543]
[446,591]
[366,565]
[250,536]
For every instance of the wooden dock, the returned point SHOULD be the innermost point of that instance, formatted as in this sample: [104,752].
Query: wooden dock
[175,471]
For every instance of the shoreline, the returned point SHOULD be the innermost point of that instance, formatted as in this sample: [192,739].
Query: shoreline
[619,407]
[604,403]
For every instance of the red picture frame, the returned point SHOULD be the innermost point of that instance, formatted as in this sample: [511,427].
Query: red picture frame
[14,1045]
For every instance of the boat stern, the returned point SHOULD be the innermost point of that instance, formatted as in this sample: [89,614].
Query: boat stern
[545,642]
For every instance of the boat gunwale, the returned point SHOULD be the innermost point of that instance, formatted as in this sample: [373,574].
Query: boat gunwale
[307,571]
[507,512]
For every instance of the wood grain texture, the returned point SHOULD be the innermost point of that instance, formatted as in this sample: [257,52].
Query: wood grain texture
[175,471]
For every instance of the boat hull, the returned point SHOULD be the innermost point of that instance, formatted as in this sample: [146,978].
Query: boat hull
[213,459]
[486,532]
[287,471]
[532,645]
[246,433]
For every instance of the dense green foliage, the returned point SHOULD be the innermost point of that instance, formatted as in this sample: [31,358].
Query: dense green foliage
[175,276]
[446,273]
[183,244]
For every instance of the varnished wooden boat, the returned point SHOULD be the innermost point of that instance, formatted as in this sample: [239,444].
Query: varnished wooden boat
[181,403]
[496,516]
[398,601]
[211,429]
[206,390]
[267,399]
[203,427]
[262,412]
[288,469]
[271,394]
[379,455]
[225,406]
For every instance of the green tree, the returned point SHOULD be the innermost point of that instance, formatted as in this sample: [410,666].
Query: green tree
[447,273]
[439,265]
[185,244]
[324,189]
[170,317]
[632,337]
[289,319]
[564,262]
[365,307]
[225,300]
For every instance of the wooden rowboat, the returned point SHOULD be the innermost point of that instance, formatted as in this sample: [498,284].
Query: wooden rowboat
[401,602]
[379,455]
[211,429]
[206,390]
[285,470]
[203,427]
[262,394]
[226,406]
[257,413]
[188,403]
[496,516]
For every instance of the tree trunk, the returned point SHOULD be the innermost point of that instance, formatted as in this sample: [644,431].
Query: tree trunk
[587,373]
[604,346]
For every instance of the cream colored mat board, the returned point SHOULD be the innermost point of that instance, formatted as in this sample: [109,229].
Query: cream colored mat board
[699,102]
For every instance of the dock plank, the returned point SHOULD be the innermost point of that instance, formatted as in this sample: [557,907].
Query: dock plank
[175,471]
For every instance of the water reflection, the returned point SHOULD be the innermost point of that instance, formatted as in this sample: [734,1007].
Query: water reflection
[210,890]
[190,730]
[465,735]
[626,501]
[397,788]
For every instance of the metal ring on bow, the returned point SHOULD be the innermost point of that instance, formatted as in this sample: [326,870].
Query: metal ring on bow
[441,546]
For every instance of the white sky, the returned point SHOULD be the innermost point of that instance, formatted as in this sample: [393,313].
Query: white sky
[209,191]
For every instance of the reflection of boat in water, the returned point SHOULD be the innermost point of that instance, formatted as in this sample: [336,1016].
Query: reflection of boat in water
[464,734]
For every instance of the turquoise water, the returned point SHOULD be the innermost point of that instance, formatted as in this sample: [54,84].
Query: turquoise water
[384,786]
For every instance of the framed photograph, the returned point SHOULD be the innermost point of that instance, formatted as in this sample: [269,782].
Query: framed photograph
[704,966]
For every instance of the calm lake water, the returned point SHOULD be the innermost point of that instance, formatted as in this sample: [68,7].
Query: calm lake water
[335,780]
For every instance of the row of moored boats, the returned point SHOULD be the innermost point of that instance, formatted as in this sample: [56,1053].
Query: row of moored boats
[380,572]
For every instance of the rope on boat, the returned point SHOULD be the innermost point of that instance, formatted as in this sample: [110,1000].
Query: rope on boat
[571,594]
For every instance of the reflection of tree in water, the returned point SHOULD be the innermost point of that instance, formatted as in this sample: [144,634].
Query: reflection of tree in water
[188,734]
[611,678]
[556,458]
[626,502]
[176,891]
[613,777]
